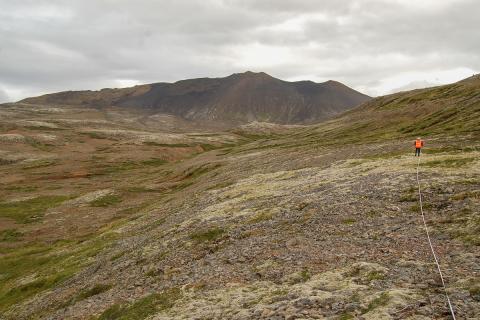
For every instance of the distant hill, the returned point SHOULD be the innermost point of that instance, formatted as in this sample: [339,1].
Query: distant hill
[449,109]
[238,98]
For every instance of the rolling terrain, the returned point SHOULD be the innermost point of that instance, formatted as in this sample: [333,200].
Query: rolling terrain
[237,99]
[114,213]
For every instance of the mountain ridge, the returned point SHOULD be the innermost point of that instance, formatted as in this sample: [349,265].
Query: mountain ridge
[238,98]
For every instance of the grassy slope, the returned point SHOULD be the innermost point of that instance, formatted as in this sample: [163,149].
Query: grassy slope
[450,110]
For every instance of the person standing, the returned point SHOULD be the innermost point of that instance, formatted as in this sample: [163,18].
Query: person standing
[418,146]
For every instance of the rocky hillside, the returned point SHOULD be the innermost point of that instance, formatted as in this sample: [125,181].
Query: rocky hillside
[236,99]
[103,216]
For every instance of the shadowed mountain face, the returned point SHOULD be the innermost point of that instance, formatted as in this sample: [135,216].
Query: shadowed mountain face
[236,99]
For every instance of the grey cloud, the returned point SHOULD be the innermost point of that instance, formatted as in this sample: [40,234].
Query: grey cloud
[415,85]
[3,96]
[58,45]
[295,7]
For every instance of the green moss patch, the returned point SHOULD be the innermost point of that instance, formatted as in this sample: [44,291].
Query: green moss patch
[408,198]
[142,308]
[39,164]
[29,210]
[475,292]
[349,221]
[96,135]
[17,294]
[209,235]
[154,162]
[450,149]
[380,301]
[208,147]
[21,188]
[10,235]
[97,289]
[198,171]
[375,275]
[416,207]
[106,201]
[475,194]
[49,265]
[118,167]
[305,274]
[260,217]
[449,163]
[409,195]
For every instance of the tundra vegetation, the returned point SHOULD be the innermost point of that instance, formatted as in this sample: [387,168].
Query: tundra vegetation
[104,218]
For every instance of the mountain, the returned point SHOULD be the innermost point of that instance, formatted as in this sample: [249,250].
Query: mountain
[238,98]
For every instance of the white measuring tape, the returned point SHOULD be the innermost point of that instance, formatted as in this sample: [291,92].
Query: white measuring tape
[431,246]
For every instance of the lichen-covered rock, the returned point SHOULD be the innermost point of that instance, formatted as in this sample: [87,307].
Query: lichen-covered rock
[88,198]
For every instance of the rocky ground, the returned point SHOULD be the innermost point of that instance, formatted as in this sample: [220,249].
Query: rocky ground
[255,224]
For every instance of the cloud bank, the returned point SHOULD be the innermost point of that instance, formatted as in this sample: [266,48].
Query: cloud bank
[375,46]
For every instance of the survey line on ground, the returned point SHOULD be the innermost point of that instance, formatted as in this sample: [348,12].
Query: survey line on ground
[431,245]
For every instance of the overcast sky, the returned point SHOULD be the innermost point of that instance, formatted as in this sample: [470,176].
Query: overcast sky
[375,46]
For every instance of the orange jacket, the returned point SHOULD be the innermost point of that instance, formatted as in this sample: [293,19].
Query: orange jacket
[418,143]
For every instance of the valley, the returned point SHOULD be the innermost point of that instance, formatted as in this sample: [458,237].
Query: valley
[114,212]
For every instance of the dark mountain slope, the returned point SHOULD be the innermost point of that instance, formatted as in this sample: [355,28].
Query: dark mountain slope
[239,98]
